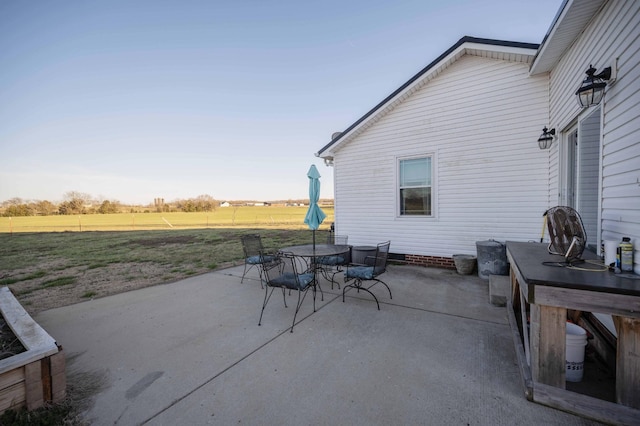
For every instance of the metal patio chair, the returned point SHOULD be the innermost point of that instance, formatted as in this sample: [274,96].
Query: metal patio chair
[282,272]
[254,255]
[374,266]
[332,265]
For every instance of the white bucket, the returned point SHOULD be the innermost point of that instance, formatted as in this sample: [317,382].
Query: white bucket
[576,341]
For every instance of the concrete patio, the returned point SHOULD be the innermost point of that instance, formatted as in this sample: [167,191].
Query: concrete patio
[191,352]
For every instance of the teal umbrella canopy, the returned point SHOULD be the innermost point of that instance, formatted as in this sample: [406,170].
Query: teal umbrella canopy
[315,215]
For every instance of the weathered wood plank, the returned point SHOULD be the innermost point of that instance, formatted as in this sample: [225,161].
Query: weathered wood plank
[33,385]
[11,377]
[58,362]
[46,378]
[525,371]
[12,397]
[548,341]
[525,329]
[29,332]
[33,337]
[33,372]
[584,405]
[517,280]
[515,288]
[58,376]
[58,387]
[600,343]
[582,300]
[628,362]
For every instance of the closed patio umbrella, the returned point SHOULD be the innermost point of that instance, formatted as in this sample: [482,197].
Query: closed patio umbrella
[315,215]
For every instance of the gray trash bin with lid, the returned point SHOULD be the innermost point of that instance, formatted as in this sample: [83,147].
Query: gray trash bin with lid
[492,259]
[359,254]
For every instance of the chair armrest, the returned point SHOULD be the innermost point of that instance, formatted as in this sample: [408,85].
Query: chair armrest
[269,256]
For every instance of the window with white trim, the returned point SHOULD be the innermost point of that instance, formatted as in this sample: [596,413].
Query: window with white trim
[415,186]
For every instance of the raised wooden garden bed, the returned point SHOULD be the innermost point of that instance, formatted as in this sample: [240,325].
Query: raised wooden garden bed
[37,375]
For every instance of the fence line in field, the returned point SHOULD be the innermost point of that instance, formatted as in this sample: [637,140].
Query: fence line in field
[291,219]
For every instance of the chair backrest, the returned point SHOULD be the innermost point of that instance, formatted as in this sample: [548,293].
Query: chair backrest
[333,238]
[289,264]
[252,245]
[341,240]
[284,271]
[272,268]
[382,254]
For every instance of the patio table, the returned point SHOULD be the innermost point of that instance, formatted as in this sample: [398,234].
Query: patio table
[309,253]
[549,292]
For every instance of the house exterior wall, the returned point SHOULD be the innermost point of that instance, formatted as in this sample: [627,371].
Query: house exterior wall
[588,201]
[613,33]
[480,120]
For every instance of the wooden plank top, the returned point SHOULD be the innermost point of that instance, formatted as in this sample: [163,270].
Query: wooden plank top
[37,342]
[529,259]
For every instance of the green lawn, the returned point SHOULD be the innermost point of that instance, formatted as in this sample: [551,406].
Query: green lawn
[46,268]
[50,269]
[47,262]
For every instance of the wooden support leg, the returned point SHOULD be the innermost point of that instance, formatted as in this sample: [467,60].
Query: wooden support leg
[58,376]
[515,289]
[548,345]
[628,361]
[525,329]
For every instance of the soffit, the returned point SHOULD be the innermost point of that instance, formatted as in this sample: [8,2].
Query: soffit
[571,20]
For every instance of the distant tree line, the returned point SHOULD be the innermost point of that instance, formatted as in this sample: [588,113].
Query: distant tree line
[78,203]
[202,203]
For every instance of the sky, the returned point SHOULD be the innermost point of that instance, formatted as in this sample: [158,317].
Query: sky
[134,100]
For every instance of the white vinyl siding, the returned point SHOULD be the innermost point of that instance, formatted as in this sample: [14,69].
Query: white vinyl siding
[481,118]
[587,196]
[612,34]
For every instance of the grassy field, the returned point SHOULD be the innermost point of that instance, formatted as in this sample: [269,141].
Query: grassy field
[46,266]
[255,217]
[51,269]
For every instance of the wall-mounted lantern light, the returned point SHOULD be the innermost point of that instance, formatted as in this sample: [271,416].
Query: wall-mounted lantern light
[592,88]
[546,138]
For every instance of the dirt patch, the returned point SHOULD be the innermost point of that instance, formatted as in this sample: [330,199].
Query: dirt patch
[158,242]
[51,270]
[96,282]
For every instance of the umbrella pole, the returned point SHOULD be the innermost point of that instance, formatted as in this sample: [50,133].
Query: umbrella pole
[314,239]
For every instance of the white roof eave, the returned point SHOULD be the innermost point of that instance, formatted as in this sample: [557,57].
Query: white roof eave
[571,20]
